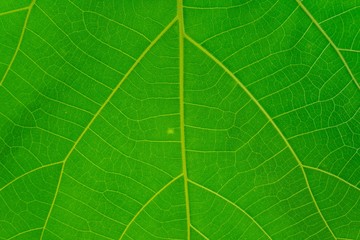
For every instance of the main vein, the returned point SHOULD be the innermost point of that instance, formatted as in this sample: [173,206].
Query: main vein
[182,121]
[97,114]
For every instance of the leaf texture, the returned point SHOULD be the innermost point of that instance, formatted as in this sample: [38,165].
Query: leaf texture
[179,119]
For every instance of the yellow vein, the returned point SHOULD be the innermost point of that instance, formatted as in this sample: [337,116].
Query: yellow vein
[98,113]
[200,233]
[217,61]
[182,121]
[147,203]
[29,172]
[14,11]
[20,41]
[349,50]
[332,175]
[233,204]
[330,41]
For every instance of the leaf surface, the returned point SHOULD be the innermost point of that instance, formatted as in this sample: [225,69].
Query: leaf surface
[179,120]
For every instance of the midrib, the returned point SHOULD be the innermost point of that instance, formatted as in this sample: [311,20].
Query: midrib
[182,121]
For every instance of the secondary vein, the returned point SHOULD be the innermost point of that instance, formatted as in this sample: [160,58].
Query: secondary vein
[147,203]
[98,113]
[337,50]
[270,119]
[20,40]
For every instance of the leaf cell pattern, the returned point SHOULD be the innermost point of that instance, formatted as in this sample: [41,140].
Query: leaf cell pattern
[179,119]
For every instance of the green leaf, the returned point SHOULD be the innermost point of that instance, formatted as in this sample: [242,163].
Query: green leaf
[179,120]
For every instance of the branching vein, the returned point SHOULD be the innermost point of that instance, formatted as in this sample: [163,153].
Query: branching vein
[19,43]
[233,204]
[98,113]
[217,61]
[330,41]
[147,203]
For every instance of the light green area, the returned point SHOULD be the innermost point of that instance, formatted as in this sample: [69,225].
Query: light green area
[179,119]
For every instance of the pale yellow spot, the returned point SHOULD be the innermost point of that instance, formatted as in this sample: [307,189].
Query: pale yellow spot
[170,131]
